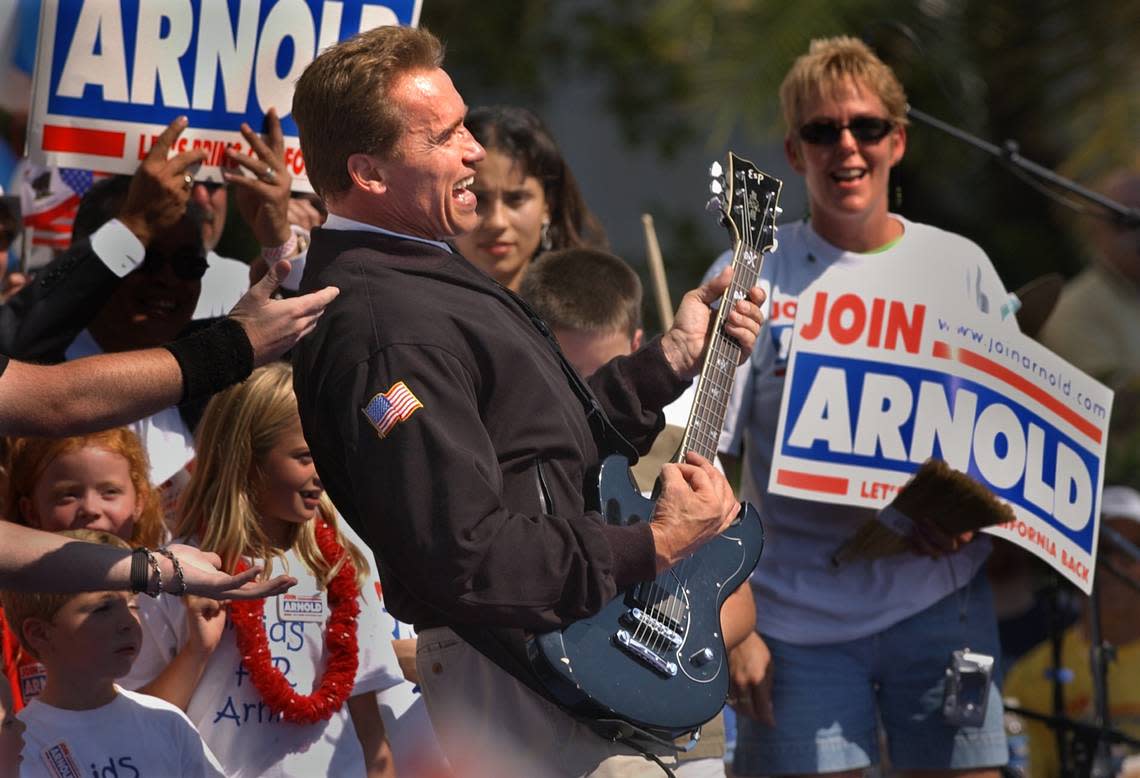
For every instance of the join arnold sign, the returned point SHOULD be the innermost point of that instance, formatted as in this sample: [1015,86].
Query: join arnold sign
[111,74]
[882,376]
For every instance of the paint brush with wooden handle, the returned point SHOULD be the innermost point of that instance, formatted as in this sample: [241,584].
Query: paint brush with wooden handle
[938,495]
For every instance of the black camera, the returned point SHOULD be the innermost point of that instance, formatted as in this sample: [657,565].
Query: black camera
[967,688]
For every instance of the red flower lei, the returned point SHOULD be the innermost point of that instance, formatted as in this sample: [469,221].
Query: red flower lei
[335,686]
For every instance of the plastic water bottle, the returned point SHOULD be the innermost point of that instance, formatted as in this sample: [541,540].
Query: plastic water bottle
[1018,739]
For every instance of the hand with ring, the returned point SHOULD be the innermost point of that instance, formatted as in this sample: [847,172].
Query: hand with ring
[263,197]
[160,187]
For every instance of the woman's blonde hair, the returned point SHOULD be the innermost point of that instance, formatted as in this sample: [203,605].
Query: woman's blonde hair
[828,69]
[219,506]
[28,458]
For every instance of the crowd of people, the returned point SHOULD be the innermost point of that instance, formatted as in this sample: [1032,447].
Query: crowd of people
[250,534]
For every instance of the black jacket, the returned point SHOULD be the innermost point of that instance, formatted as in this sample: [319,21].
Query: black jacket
[473,505]
[39,322]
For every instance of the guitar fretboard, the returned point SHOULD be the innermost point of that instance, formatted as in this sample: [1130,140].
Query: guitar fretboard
[710,404]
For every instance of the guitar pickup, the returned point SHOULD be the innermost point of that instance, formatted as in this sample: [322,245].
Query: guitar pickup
[636,618]
[645,654]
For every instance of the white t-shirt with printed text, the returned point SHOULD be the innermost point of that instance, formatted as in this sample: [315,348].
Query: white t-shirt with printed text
[234,721]
[132,736]
[800,597]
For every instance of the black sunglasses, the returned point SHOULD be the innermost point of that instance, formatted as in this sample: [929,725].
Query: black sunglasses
[865,129]
[188,265]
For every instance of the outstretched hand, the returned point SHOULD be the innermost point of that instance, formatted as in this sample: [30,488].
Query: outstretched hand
[685,342]
[204,577]
[274,326]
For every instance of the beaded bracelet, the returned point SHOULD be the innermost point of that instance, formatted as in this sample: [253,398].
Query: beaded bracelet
[179,576]
[141,558]
[157,574]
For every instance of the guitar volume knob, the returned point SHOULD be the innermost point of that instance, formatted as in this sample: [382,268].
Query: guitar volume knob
[702,657]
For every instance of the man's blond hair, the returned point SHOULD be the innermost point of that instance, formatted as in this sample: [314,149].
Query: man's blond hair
[21,606]
[827,71]
[342,105]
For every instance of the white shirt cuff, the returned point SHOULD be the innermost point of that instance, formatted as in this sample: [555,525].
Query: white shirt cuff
[117,247]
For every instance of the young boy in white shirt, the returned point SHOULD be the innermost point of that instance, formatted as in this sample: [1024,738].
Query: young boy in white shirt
[82,723]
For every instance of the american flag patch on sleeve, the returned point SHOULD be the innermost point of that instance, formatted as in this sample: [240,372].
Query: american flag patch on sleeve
[387,409]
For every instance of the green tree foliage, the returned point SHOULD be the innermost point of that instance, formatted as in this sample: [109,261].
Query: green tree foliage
[1060,77]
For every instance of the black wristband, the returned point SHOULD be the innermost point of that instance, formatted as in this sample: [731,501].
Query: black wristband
[140,570]
[212,359]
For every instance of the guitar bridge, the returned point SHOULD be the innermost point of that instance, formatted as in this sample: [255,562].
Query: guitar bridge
[636,617]
[645,654]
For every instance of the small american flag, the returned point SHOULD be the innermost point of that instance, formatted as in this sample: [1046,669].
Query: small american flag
[49,199]
[387,409]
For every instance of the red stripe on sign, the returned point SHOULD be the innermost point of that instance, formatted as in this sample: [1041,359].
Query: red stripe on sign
[942,349]
[80,140]
[811,481]
[978,362]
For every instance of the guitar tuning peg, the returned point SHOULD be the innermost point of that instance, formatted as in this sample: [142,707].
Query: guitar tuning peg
[715,169]
[715,186]
[714,204]
[779,210]
[775,244]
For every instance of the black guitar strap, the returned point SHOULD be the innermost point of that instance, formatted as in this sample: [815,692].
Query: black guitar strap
[605,433]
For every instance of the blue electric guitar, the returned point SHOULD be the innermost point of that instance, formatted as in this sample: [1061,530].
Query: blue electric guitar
[654,657]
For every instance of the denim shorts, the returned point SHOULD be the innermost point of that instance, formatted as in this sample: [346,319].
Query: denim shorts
[830,699]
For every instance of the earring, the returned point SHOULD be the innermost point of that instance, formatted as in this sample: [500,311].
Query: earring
[544,236]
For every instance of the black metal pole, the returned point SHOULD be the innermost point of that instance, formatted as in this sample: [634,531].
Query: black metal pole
[1009,152]
[1059,675]
[1100,654]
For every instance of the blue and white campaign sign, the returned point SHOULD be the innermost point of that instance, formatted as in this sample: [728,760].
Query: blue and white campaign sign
[111,74]
[881,377]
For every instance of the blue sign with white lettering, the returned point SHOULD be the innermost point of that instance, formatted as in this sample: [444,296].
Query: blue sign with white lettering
[111,75]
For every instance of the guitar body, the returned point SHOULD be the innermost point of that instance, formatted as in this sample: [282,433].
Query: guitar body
[654,656]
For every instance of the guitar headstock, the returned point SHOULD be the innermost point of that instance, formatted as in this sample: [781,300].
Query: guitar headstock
[748,202]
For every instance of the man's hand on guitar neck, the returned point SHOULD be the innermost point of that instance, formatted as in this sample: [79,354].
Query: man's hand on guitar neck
[695,505]
[685,342]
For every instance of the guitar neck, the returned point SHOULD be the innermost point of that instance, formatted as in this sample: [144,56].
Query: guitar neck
[710,403]
[748,209]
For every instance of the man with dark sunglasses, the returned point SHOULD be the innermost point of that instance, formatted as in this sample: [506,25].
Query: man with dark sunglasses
[844,648]
[262,194]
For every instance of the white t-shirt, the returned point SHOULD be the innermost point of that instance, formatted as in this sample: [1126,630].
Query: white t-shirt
[800,597]
[229,712]
[225,281]
[134,735]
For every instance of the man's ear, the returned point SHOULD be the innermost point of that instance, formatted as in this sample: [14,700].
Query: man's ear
[792,152]
[366,173]
[638,338]
[37,634]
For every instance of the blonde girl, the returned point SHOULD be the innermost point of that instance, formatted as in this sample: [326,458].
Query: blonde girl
[290,675]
